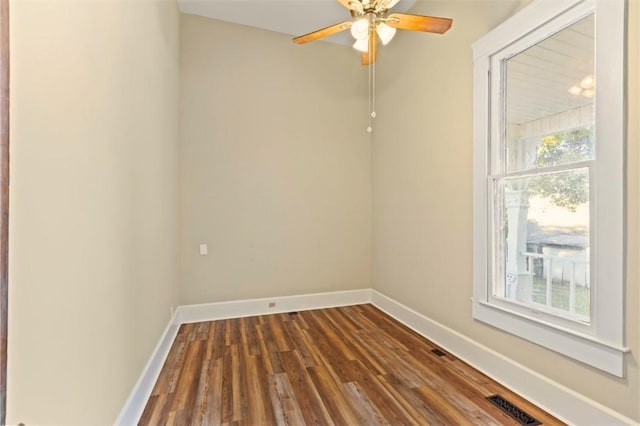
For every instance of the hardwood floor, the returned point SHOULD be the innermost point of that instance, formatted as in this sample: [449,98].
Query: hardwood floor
[345,366]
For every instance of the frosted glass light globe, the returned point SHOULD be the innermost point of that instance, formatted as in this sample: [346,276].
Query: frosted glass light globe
[385,32]
[360,29]
[362,45]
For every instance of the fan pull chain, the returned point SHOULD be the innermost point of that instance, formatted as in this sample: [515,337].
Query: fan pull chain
[369,129]
[372,91]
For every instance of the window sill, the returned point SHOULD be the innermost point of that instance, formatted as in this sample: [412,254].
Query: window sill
[585,348]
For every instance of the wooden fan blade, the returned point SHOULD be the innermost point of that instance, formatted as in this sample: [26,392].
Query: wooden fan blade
[370,57]
[428,24]
[324,32]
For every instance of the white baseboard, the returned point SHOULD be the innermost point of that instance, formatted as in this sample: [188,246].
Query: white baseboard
[134,406]
[252,307]
[562,402]
[569,406]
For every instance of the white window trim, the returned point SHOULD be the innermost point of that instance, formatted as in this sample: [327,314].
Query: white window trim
[601,344]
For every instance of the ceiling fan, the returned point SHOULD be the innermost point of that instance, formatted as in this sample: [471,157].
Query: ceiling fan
[371,20]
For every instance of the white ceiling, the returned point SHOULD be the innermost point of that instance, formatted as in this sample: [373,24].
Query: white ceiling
[292,17]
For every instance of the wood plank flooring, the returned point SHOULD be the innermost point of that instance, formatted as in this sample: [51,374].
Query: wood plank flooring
[341,366]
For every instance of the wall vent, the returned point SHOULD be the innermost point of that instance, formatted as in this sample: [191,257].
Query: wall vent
[513,411]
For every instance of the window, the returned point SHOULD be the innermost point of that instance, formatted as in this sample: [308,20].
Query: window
[549,179]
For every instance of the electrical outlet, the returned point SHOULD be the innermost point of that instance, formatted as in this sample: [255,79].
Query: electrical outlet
[272,304]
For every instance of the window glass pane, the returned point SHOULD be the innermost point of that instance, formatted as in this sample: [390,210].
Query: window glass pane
[545,251]
[549,92]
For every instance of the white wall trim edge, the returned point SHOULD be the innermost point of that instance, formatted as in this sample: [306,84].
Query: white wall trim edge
[134,406]
[252,307]
[564,403]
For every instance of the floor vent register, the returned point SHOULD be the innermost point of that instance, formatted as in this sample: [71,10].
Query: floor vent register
[438,352]
[513,411]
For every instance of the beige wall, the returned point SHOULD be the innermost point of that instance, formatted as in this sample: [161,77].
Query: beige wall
[422,179]
[275,165]
[93,226]
[275,176]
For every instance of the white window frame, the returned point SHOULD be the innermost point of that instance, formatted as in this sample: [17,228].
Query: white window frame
[601,342]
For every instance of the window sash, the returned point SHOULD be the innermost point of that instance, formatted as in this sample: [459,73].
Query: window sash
[497,252]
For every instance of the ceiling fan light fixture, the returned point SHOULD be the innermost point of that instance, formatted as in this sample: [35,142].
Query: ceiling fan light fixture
[362,45]
[360,29]
[385,32]
[575,90]
[586,87]
[588,82]
[588,93]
